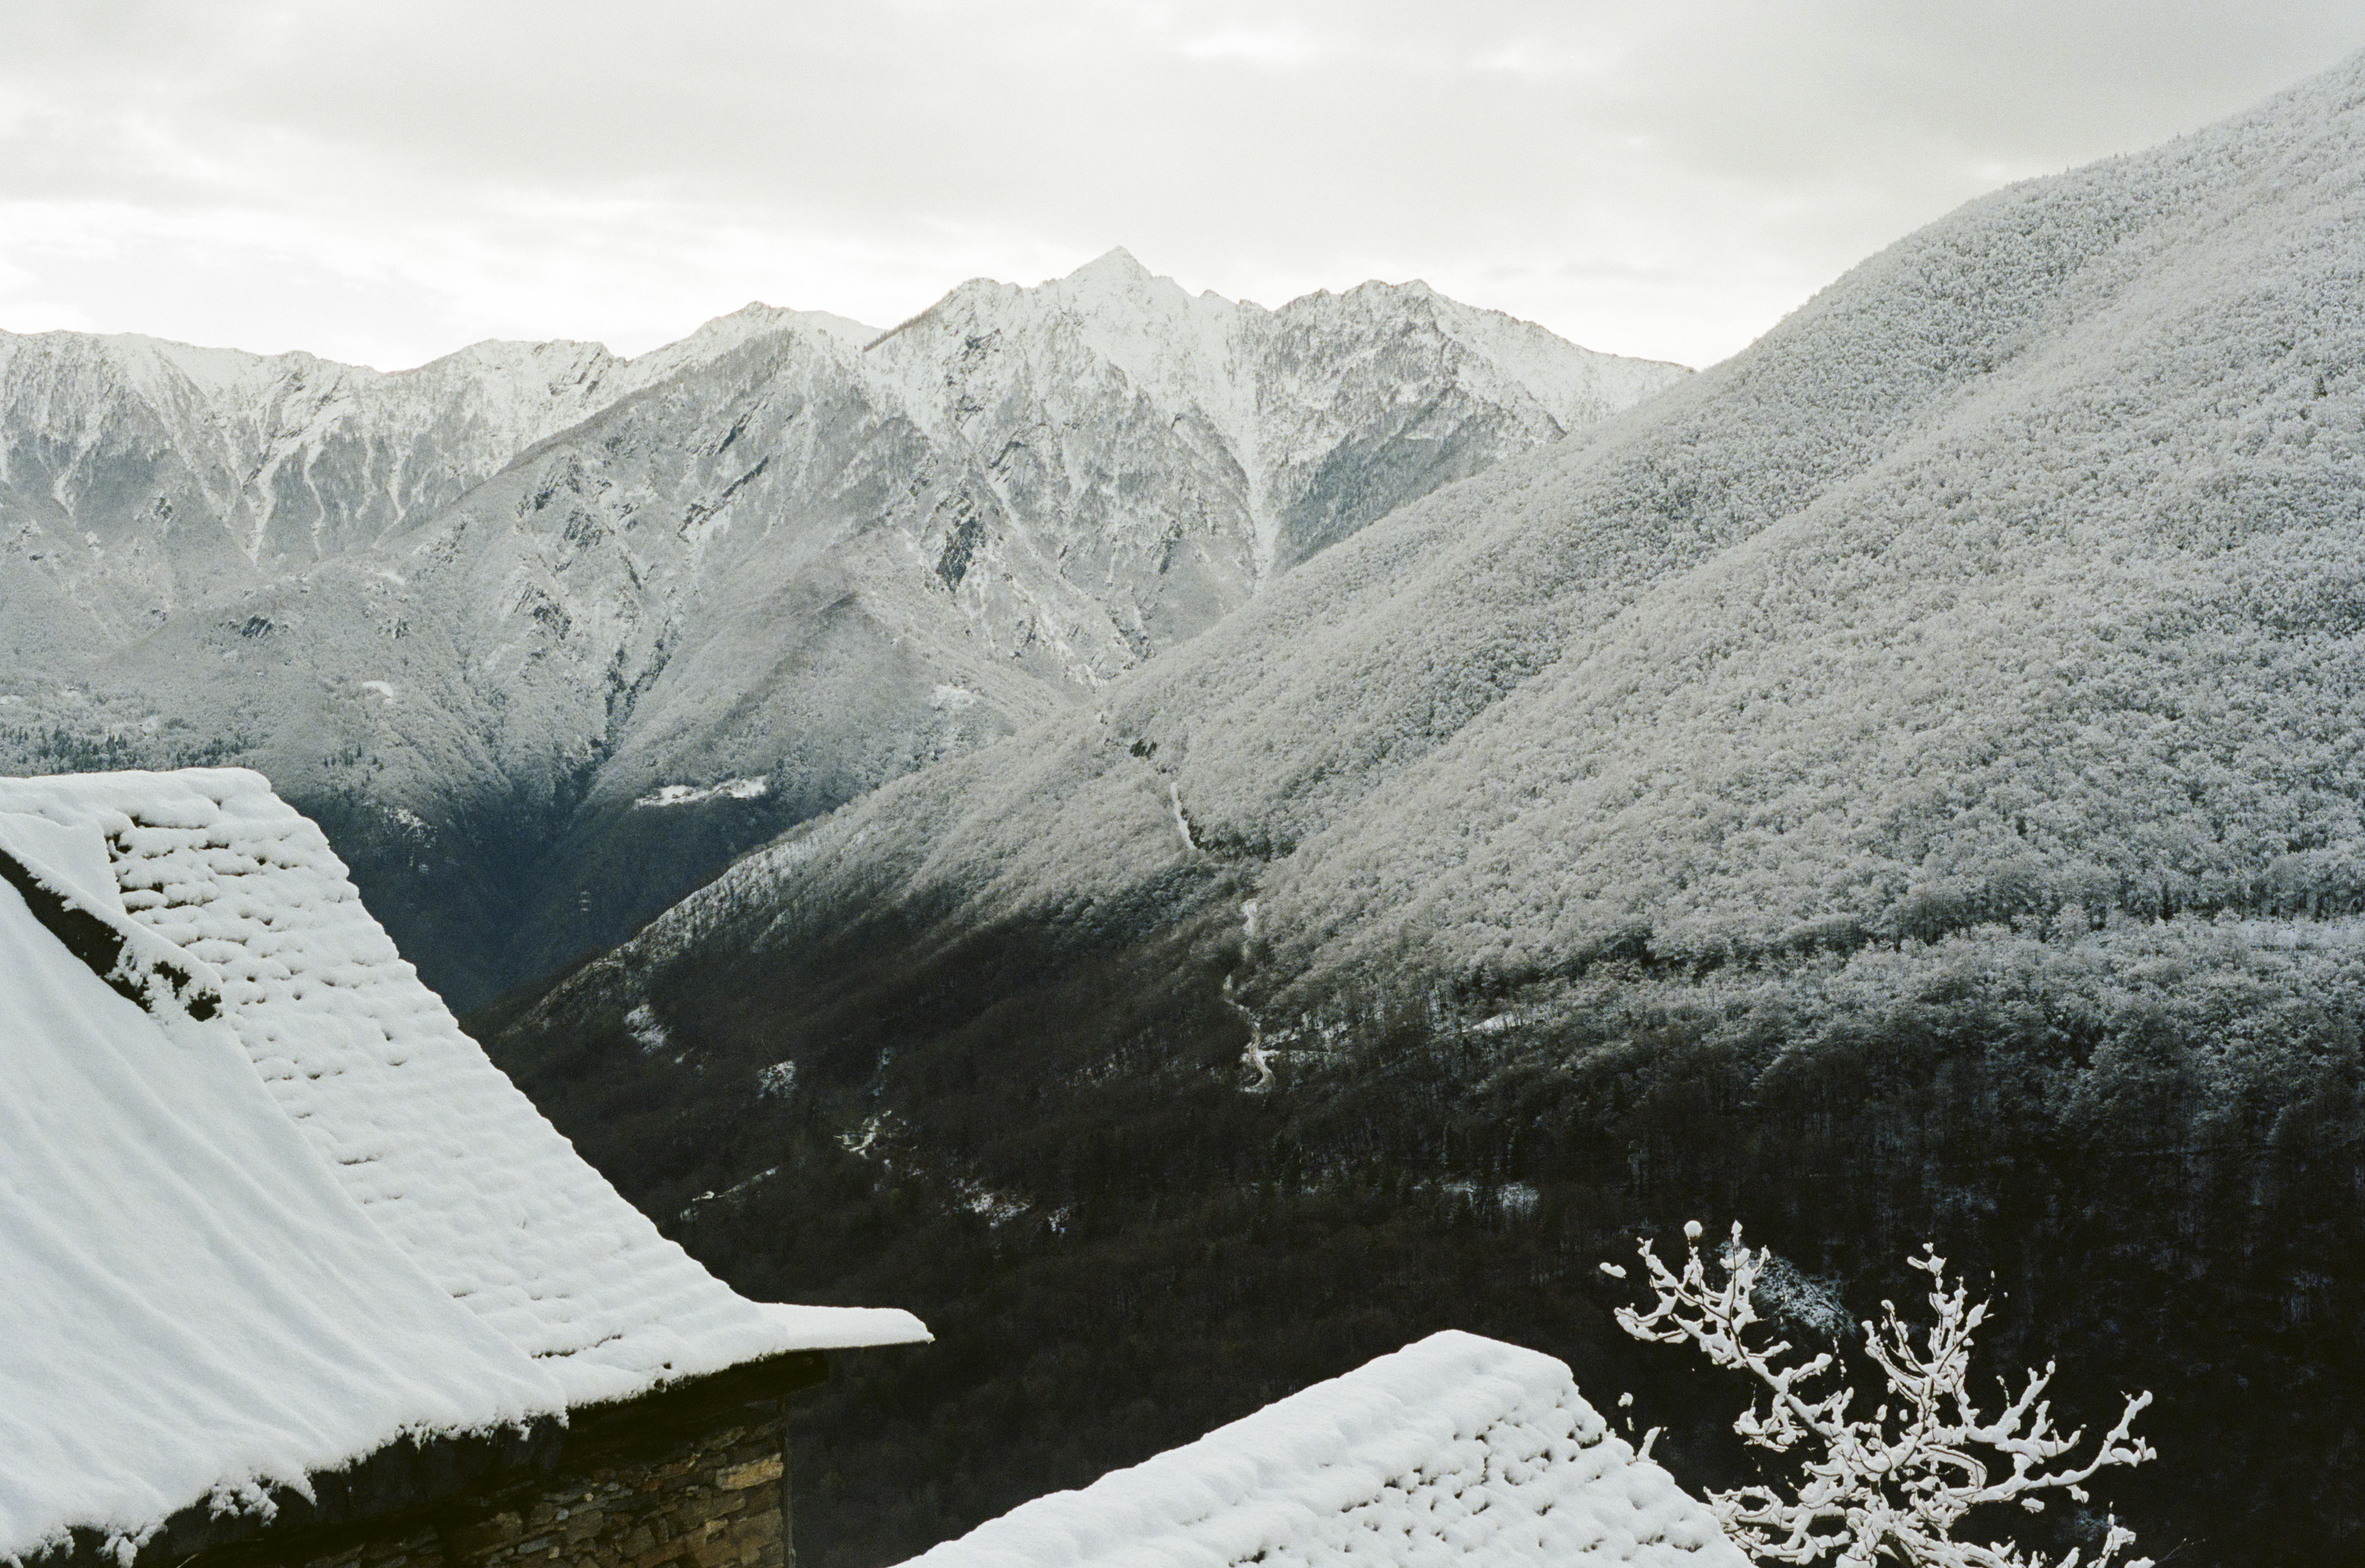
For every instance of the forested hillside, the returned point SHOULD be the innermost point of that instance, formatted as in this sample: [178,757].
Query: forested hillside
[544,637]
[1902,783]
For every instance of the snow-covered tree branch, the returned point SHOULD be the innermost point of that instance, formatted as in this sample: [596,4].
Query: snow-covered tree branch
[1891,1485]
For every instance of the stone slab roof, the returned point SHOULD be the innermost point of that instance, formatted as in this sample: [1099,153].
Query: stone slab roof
[1455,1450]
[251,1166]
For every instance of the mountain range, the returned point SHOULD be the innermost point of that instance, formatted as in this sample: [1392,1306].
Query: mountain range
[1905,781]
[542,636]
[2012,577]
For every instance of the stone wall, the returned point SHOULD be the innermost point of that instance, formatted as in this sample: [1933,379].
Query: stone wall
[694,1478]
[716,1503]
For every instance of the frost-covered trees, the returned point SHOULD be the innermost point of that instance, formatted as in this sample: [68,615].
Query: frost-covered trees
[2009,585]
[1893,1485]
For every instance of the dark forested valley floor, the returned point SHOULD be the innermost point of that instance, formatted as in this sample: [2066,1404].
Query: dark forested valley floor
[1045,1144]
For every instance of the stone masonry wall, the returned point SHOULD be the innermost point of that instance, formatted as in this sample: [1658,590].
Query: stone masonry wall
[716,1503]
[624,1497]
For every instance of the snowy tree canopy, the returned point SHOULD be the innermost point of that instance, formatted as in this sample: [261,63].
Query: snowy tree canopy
[2009,581]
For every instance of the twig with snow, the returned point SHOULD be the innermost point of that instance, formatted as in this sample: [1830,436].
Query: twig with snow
[1893,1485]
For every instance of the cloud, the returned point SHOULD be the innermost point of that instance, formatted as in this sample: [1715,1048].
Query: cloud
[387,182]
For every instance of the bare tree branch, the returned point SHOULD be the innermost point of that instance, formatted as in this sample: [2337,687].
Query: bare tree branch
[1889,1486]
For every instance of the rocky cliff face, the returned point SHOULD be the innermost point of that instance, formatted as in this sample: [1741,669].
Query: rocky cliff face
[544,636]
[1172,453]
[144,476]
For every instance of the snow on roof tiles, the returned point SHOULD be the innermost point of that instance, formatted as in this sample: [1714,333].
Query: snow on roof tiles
[453,1166]
[190,1305]
[1454,1450]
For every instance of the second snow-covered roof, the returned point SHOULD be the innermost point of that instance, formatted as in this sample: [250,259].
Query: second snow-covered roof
[1454,1450]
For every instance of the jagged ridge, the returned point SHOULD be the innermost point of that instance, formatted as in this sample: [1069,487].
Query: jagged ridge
[474,615]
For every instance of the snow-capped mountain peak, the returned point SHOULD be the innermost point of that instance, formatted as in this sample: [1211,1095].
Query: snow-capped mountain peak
[1114,268]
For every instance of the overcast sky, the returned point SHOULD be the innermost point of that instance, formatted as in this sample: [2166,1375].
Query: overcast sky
[385,182]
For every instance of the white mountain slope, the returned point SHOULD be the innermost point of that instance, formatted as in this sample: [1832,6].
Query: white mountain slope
[142,476]
[2015,578]
[472,615]
[1252,437]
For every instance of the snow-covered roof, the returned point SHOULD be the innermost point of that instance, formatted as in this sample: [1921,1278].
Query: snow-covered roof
[1454,1450]
[289,1212]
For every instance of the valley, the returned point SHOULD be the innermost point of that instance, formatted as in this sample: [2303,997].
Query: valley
[1900,784]
[1189,845]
